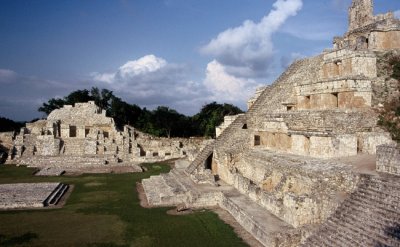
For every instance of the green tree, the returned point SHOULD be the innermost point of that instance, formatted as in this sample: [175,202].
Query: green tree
[102,97]
[51,105]
[78,96]
[9,125]
[212,115]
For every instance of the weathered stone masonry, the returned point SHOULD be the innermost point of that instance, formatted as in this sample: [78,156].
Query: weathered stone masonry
[82,136]
[277,165]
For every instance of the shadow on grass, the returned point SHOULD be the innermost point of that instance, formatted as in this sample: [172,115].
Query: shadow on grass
[22,239]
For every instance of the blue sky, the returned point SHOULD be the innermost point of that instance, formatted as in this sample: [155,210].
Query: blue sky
[178,53]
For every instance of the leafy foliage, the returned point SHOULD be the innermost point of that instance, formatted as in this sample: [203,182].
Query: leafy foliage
[163,121]
[212,115]
[390,115]
[9,125]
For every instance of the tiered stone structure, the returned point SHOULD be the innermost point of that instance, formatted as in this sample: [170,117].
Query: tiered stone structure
[277,168]
[31,195]
[83,136]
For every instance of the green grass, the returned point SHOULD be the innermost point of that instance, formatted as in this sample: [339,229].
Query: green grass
[104,210]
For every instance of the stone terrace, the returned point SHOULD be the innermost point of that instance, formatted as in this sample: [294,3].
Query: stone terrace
[30,195]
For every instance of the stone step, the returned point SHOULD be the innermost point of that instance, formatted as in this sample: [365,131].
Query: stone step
[59,194]
[55,195]
[365,216]
[264,226]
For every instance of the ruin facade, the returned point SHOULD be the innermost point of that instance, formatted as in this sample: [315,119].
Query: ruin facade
[285,169]
[83,136]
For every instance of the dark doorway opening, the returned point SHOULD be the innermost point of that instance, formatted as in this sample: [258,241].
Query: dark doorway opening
[209,162]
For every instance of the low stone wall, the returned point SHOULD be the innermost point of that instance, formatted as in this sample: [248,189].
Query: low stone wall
[388,159]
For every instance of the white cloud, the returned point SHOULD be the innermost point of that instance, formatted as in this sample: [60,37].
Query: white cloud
[226,87]
[151,81]
[142,66]
[397,14]
[7,76]
[146,64]
[250,45]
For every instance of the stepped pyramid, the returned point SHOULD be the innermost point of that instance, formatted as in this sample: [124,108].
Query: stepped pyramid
[298,168]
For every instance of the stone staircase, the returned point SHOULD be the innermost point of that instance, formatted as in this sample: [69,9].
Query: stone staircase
[369,217]
[225,139]
[201,157]
[56,195]
[176,188]
[221,140]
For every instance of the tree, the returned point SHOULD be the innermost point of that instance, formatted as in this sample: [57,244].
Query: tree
[124,113]
[102,98]
[78,96]
[51,105]
[9,125]
[163,121]
[212,115]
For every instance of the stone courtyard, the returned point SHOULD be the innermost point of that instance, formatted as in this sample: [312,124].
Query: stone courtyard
[307,164]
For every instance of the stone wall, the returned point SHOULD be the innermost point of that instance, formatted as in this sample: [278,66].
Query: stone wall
[83,131]
[388,159]
[298,190]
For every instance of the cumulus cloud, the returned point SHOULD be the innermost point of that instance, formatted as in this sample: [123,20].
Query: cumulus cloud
[130,69]
[397,14]
[151,81]
[250,45]
[226,87]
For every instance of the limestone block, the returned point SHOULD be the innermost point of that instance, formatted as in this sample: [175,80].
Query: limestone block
[47,145]
[345,145]
[365,66]
[369,141]
[385,40]
[321,147]
[300,145]
[90,146]
[388,159]
[80,132]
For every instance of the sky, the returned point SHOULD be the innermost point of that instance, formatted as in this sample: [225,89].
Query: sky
[178,53]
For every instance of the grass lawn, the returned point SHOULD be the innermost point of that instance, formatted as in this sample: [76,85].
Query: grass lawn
[104,210]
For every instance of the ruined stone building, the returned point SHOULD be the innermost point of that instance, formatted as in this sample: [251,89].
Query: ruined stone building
[83,136]
[299,167]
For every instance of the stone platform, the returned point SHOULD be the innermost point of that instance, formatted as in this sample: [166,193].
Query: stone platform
[177,188]
[50,171]
[31,195]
